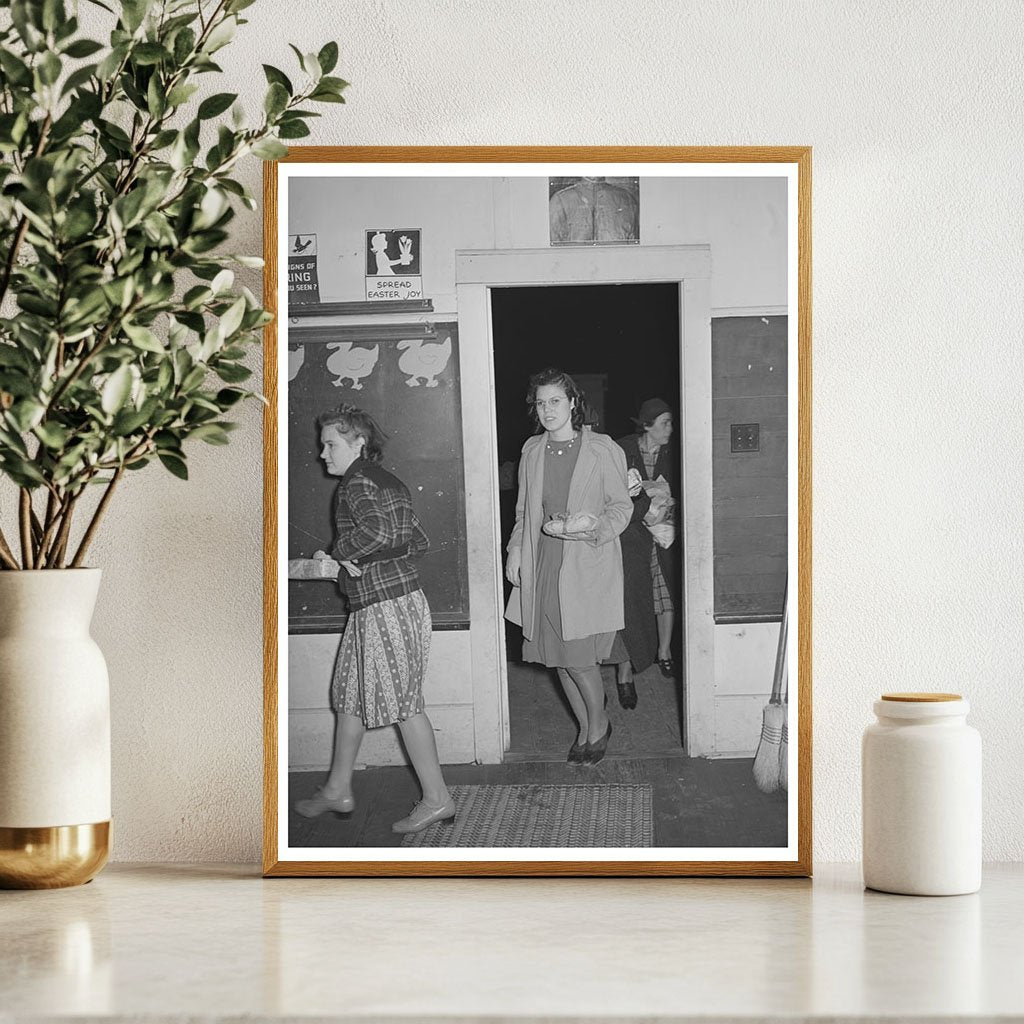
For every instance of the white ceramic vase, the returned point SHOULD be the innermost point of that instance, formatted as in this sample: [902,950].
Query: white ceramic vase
[54,731]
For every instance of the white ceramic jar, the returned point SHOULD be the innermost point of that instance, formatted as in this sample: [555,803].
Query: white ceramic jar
[921,779]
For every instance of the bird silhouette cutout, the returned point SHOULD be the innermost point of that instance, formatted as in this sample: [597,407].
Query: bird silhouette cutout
[300,245]
[350,363]
[296,357]
[424,359]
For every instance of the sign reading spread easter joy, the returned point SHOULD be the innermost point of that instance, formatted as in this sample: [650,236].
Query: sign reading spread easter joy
[393,264]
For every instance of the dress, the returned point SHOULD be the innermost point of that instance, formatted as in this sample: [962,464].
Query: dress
[590,577]
[547,646]
[639,636]
[382,660]
[660,568]
[640,556]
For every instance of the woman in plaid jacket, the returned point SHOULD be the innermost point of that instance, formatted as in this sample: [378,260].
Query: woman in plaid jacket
[378,676]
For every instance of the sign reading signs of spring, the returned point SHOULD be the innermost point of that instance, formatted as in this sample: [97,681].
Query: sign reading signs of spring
[303,283]
[393,264]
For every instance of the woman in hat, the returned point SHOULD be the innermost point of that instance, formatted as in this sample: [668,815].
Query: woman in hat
[378,676]
[649,570]
[564,560]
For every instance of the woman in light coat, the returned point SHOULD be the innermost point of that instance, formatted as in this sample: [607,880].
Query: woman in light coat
[564,560]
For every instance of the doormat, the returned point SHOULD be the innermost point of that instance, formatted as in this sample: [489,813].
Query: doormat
[601,815]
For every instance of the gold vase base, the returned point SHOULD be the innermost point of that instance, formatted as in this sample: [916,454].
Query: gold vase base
[53,857]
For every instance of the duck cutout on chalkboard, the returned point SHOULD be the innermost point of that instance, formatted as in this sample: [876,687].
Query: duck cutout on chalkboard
[296,357]
[424,359]
[350,363]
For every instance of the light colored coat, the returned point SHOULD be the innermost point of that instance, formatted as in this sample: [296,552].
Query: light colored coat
[590,580]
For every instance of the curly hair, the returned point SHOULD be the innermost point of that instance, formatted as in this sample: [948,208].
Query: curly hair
[560,379]
[349,420]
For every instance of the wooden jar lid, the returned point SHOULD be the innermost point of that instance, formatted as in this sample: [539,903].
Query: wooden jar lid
[921,698]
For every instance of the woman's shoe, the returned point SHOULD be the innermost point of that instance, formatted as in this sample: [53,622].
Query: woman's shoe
[577,753]
[667,666]
[423,815]
[627,694]
[596,750]
[320,802]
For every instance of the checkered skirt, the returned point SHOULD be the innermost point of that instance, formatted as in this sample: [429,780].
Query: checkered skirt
[378,676]
[662,595]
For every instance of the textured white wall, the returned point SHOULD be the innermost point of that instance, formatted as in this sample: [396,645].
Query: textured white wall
[913,110]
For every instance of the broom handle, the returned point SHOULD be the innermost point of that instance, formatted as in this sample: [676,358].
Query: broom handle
[780,653]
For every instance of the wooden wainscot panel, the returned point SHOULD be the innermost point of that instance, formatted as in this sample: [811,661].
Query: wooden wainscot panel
[738,724]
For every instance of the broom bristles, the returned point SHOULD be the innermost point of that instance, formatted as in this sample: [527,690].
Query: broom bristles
[766,760]
[784,757]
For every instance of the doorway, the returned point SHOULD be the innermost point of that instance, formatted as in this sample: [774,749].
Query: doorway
[620,343]
[481,274]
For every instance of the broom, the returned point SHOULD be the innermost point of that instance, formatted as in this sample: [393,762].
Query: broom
[784,746]
[766,760]
[784,758]
[783,752]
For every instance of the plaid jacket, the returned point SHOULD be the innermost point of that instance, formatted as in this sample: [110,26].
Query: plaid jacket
[373,514]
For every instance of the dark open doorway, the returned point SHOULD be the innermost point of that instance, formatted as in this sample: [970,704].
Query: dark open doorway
[621,343]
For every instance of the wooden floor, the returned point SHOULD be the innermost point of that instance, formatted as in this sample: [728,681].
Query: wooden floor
[697,802]
[543,728]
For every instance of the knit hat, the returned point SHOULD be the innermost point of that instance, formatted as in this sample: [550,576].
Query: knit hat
[650,411]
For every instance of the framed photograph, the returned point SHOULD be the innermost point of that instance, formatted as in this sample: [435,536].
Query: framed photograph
[594,210]
[538,512]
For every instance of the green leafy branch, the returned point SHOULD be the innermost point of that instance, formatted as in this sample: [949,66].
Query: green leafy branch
[116,193]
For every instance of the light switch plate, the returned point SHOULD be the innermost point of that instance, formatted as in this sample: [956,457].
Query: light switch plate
[745,437]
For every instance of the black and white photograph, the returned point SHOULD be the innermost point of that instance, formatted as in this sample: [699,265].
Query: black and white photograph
[595,210]
[537,576]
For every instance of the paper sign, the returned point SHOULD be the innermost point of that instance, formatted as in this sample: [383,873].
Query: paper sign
[303,283]
[393,264]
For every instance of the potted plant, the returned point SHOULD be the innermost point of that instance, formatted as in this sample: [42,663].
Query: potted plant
[122,338]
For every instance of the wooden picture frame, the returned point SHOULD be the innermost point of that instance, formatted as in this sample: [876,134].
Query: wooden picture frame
[724,256]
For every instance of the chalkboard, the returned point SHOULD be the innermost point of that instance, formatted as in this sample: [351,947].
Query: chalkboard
[749,374]
[408,379]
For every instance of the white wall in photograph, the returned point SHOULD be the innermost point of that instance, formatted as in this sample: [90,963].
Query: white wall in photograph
[913,112]
[742,219]
[454,213]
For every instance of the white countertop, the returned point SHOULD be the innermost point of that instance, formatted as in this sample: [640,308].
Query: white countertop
[217,941]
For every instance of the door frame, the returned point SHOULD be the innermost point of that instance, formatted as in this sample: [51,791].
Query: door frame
[477,272]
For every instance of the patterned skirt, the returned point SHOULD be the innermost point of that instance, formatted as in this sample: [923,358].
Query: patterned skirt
[378,676]
[662,595]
